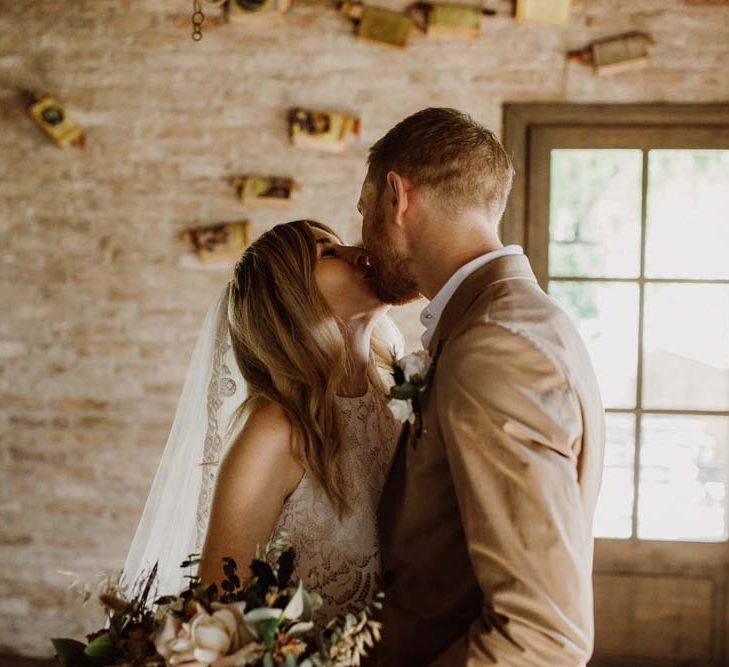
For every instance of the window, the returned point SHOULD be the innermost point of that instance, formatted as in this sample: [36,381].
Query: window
[644,284]
[631,236]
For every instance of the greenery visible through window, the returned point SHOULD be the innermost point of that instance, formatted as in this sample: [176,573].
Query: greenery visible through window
[648,284]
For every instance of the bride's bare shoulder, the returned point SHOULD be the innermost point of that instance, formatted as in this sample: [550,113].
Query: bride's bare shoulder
[264,441]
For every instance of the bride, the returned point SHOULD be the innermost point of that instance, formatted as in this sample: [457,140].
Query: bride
[282,427]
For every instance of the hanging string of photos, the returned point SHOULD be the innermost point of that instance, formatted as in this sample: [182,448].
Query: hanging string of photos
[443,18]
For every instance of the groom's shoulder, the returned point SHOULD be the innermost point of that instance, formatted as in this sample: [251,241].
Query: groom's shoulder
[514,317]
[516,305]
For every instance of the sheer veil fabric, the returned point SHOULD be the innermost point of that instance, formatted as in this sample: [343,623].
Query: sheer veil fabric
[177,510]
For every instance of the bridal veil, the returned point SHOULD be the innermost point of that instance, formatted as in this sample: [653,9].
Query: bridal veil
[177,510]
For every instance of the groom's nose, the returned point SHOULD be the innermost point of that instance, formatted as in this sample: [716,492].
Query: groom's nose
[354,255]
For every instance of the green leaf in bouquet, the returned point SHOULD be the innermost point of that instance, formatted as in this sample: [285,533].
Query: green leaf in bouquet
[404,391]
[256,616]
[102,647]
[268,660]
[165,599]
[264,573]
[211,592]
[312,602]
[300,628]
[295,607]
[291,661]
[230,567]
[69,651]
[192,559]
[268,631]
[286,564]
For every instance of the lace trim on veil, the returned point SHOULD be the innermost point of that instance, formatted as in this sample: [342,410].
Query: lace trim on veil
[221,386]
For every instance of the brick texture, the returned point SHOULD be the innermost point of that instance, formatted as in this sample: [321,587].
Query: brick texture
[100,309]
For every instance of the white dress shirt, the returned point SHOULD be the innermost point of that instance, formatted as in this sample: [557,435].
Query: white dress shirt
[430,316]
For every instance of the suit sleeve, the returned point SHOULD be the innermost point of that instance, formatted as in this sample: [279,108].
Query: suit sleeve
[512,427]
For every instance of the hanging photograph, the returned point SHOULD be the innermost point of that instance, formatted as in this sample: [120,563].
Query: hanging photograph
[322,130]
[454,21]
[266,190]
[544,11]
[385,27]
[243,11]
[218,243]
[51,117]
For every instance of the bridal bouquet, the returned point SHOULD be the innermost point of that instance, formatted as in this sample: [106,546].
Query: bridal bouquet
[264,621]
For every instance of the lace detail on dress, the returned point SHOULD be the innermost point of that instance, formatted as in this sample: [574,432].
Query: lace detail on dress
[341,559]
[221,386]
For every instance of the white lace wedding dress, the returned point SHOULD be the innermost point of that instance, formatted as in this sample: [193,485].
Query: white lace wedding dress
[341,559]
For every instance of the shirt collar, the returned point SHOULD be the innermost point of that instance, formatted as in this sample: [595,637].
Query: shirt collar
[431,314]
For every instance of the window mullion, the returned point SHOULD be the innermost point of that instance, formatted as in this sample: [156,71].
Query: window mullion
[641,320]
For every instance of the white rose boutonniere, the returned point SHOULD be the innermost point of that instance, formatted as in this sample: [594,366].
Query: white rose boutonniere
[411,375]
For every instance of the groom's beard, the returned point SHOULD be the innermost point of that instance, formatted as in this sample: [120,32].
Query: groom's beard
[394,283]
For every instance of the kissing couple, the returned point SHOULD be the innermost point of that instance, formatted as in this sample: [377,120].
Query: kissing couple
[476,518]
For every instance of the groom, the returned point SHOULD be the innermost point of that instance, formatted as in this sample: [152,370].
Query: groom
[486,518]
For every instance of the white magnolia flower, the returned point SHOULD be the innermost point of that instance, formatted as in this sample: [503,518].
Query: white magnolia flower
[207,639]
[415,366]
[402,410]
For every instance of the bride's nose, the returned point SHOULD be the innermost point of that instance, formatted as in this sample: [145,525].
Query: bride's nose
[355,256]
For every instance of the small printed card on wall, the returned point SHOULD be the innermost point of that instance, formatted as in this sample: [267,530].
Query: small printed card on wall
[267,190]
[453,20]
[222,242]
[615,54]
[543,11]
[378,25]
[385,27]
[52,118]
[322,130]
[246,11]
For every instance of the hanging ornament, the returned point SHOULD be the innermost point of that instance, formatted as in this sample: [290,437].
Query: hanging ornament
[615,54]
[198,17]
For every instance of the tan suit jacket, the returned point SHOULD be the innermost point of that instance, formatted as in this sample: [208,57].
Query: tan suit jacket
[487,513]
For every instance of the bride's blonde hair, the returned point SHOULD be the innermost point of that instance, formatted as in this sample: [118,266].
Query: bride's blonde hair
[290,348]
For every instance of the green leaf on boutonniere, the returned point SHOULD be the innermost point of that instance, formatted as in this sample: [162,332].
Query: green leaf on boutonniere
[404,391]
[69,651]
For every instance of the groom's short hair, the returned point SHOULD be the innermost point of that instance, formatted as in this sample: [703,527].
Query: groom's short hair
[449,151]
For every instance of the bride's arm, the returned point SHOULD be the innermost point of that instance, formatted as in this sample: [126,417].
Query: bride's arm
[255,477]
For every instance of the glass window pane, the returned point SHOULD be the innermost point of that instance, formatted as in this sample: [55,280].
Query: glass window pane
[595,210]
[687,234]
[683,478]
[607,317]
[686,364]
[614,512]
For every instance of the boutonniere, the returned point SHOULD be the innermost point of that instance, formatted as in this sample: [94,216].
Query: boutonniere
[411,374]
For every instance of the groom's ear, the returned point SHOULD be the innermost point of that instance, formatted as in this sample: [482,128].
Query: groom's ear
[397,195]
